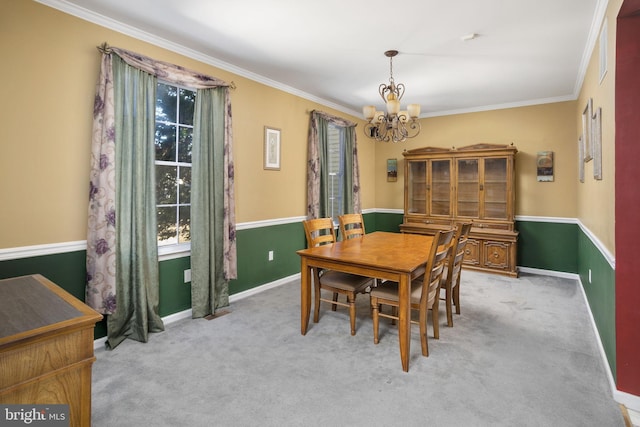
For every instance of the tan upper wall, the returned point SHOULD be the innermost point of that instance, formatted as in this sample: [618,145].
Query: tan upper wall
[50,68]
[596,199]
[48,83]
[547,127]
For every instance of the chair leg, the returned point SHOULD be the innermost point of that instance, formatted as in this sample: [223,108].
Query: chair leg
[335,298]
[435,318]
[423,333]
[449,300]
[316,303]
[351,299]
[394,312]
[456,298]
[375,308]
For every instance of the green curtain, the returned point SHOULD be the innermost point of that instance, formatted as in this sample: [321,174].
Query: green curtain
[323,152]
[318,168]
[209,288]
[136,232]
[348,133]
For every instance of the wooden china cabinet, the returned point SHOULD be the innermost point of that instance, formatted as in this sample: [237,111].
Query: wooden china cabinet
[443,187]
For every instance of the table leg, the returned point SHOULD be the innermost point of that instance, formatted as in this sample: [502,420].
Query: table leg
[404,319]
[305,296]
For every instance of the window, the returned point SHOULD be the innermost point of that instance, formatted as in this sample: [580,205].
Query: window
[335,140]
[173,145]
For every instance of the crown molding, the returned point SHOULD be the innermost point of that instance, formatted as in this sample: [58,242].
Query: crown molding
[112,24]
[594,34]
[93,17]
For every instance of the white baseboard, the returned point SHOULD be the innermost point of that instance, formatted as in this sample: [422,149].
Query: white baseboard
[541,272]
[187,314]
[261,288]
[631,401]
[167,320]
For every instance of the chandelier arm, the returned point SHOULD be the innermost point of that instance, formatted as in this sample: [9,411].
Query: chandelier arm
[399,90]
[382,90]
[383,130]
[402,131]
[414,125]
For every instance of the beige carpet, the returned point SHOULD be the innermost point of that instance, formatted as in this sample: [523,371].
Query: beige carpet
[522,353]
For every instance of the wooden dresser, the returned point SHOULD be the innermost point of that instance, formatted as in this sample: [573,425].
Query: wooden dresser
[46,346]
[443,187]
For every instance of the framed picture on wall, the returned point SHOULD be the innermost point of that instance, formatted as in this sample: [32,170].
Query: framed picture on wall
[544,166]
[581,158]
[392,170]
[597,144]
[586,130]
[271,148]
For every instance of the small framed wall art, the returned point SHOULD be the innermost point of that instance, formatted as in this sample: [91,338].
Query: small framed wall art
[392,170]
[581,158]
[597,144]
[271,148]
[587,113]
[544,165]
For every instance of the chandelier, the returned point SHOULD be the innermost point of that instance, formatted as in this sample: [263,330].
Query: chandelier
[394,125]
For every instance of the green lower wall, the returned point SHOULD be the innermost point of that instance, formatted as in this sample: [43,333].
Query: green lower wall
[67,270]
[253,246]
[548,246]
[561,247]
[175,295]
[601,294]
[383,222]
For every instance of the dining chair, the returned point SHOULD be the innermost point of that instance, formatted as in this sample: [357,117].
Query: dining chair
[320,231]
[424,291]
[351,225]
[451,276]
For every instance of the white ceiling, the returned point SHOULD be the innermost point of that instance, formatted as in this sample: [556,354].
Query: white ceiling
[332,51]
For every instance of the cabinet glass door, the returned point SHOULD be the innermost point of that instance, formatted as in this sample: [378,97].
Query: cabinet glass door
[417,187]
[440,202]
[495,188]
[468,191]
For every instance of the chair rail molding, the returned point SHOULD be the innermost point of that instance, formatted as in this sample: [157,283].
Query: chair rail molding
[81,245]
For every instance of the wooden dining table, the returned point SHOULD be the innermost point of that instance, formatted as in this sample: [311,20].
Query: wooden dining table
[398,257]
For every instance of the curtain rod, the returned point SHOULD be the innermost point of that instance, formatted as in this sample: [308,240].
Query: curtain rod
[104,48]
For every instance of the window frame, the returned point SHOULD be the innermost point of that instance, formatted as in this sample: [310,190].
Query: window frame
[178,249]
[336,144]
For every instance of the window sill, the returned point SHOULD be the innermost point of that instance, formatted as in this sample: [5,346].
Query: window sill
[174,251]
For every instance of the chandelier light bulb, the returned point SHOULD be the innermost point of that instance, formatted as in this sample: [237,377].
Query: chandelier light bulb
[369,111]
[413,110]
[393,107]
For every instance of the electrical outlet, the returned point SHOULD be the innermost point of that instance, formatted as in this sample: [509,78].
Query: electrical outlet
[589,275]
[270,255]
[187,276]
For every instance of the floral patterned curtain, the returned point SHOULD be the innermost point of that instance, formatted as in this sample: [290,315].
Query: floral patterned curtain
[101,234]
[318,146]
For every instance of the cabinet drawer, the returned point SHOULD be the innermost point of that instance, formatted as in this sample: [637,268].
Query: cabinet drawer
[446,221]
[496,255]
[472,252]
[493,225]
